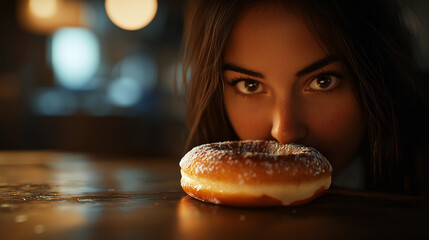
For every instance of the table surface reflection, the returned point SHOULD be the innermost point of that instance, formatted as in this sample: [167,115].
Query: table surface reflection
[52,195]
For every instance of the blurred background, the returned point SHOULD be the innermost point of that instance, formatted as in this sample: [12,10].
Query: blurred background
[97,76]
[91,76]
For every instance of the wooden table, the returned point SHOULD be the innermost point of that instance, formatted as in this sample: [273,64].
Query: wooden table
[51,195]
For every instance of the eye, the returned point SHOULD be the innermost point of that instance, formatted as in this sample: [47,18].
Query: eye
[324,82]
[248,86]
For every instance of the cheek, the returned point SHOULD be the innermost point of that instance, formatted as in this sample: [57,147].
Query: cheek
[339,132]
[340,122]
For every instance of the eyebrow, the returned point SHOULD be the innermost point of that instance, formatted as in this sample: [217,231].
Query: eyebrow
[317,65]
[235,68]
[309,69]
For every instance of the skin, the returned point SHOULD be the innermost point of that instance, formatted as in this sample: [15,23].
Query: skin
[286,100]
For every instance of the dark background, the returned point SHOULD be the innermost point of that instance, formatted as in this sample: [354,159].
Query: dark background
[153,126]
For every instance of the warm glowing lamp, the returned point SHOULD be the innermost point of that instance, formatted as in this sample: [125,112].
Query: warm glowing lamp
[43,8]
[131,14]
[47,16]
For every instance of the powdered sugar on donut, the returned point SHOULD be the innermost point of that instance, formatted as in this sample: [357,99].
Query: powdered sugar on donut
[255,159]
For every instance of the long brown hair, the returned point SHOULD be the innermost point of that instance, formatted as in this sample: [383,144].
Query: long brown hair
[374,47]
[206,31]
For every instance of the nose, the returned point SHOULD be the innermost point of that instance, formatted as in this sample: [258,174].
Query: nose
[288,122]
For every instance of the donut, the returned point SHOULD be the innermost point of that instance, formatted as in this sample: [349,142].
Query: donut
[255,173]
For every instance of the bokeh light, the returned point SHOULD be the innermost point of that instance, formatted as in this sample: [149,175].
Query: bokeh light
[55,102]
[124,92]
[134,76]
[75,57]
[43,8]
[131,14]
[47,16]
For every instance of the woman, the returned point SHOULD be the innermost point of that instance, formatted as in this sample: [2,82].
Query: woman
[335,75]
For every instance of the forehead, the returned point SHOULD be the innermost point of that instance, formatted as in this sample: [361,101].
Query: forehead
[271,34]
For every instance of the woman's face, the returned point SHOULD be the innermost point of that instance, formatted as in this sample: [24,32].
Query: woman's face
[279,84]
